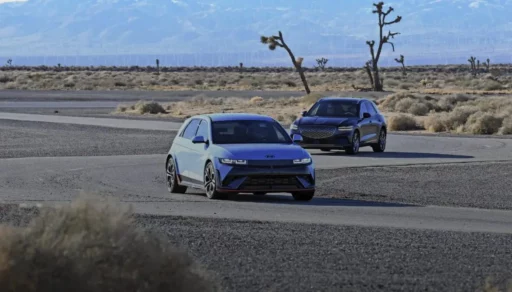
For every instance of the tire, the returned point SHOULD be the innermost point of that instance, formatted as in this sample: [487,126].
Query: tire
[303,196]
[354,148]
[210,183]
[172,183]
[381,144]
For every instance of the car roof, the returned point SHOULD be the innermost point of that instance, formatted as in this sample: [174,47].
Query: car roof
[221,117]
[343,98]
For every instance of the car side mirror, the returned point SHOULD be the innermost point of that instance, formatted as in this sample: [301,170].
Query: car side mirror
[297,138]
[366,115]
[304,113]
[199,140]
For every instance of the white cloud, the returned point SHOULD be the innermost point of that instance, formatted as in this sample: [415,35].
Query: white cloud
[476,4]
[10,1]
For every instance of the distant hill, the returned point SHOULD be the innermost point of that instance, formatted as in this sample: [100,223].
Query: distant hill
[226,32]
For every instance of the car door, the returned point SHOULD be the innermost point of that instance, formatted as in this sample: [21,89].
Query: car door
[200,152]
[185,157]
[365,125]
[374,127]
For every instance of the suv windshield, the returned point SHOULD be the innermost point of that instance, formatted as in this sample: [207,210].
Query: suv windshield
[239,132]
[335,108]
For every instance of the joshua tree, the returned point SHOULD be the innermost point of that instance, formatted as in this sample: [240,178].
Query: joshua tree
[241,65]
[472,61]
[383,39]
[9,62]
[402,61]
[321,63]
[487,64]
[158,65]
[278,41]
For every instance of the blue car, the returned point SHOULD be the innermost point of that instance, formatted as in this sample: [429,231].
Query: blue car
[238,153]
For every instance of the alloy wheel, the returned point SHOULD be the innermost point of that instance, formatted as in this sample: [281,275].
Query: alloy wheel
[209,181]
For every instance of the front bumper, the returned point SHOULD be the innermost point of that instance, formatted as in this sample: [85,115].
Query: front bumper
[270,178]
[339,140]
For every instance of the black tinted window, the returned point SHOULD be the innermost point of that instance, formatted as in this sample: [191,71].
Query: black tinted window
[203,129]
[335,108]
[191,129]
[247,131]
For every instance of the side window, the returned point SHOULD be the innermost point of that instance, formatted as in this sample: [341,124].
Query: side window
[203,129]
[191,129]
[370,108]
[363,109]
[375,108]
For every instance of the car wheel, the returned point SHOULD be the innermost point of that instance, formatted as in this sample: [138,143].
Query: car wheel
[381,144]
[303,196]
[172,182]
[354,148]
[210,183]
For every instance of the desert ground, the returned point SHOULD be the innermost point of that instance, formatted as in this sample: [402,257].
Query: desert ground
[432,213]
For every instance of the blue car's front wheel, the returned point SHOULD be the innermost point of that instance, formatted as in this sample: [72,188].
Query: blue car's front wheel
[172,183]
[210,182]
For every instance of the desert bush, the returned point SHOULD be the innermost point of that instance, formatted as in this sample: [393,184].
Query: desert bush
[151,107]
[312,98]
[436,123]
[88,247]
[256,100]
[408,103]
[483,123]
[402,123]
[506,126]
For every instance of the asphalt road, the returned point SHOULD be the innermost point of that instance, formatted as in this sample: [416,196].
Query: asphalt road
[432,226]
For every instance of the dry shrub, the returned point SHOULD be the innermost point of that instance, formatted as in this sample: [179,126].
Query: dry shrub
[256,100]
[408,103]
[483,123]
[447,103]
[436,123]
[91,247]
[151,107]
[312,98]
[121,108]
[402,123]
[506,126]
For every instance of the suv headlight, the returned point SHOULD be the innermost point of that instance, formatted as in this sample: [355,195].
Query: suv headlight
[294,127]
[345,128]
[233,161]
[302,161]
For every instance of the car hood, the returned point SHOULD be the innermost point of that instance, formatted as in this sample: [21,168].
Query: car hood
[327,121]
[260,151]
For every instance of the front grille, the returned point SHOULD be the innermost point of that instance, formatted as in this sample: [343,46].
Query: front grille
[270,180]
[317,132]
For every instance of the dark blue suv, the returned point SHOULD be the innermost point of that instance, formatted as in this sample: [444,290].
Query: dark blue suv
[342,123]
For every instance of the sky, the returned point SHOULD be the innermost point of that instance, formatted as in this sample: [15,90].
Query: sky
[227,32]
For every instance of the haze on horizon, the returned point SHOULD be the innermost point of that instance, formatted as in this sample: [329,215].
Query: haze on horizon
[226,32]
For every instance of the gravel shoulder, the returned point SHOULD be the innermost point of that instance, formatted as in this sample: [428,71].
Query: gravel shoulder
[34,139]
[260,256]
[476,185]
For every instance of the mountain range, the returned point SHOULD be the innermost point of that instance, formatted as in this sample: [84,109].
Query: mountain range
[226,32]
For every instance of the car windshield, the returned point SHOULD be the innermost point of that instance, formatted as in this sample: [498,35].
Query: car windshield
[247,131]
[335,108]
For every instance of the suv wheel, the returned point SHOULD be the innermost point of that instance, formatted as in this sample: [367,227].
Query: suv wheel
[354,148]
[303,196]
[381,144]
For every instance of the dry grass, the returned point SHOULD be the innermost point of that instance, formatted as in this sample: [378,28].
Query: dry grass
[402,122]
[434,80]
[92,247]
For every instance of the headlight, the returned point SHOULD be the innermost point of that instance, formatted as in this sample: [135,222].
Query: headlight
[302,161]
[233,161]
[294,127]
[345,128]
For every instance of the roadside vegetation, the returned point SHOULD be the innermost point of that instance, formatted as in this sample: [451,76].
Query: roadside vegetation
[90,247]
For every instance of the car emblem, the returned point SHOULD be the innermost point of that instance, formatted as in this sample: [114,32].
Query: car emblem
[270,156]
